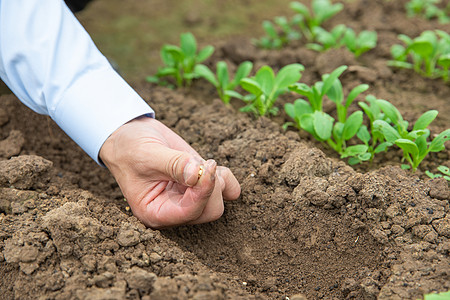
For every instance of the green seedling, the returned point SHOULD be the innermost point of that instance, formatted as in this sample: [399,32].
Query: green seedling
[225,87]
[371,137]
[413,143]
[336,95]
[326,40]
[321,10]
[314,94]
[428,10]
[340,36]
[443,169]
[278,34]
[429,53]
[323,127]
[359,44]
[265,87]
[180,62]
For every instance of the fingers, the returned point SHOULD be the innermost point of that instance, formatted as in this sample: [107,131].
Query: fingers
[228,184]
[171,209]
[226,187]
[214,207]
[175,165]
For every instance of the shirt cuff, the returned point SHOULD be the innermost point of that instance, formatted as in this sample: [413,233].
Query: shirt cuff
[94,106]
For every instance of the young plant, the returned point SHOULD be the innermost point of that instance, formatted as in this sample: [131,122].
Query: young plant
[428,10]
[359,44]
[278,34]
[429,52]
[326,40]
[265,87]
[180,62]
[371,137]
[314,94]
[225,87]
[321,10]
[345,127]
[443,169]
[413,143]
[323,127]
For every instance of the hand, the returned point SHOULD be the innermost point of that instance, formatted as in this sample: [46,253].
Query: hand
[158,173]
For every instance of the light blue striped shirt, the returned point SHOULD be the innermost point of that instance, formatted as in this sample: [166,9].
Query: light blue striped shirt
[51,64]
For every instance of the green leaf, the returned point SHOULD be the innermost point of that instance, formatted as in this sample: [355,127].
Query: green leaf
[438,143]
[405,167]
[252,86]
[354,150]
[307,122]
[166,71]
[233,94]
[152,79]
[302,89]
[300,8]
[382,147]
[417,133]
[270,29]
[365,156]
[265,78]
[352,125]
[323,125]
[431,175]
[398,52]
[288,75]
[188,44]
[424,120]
[204,54]
[350,39]
[424,45]
[444,170]
[422,144]
[405,39]
[409,147]
[222,74]
[205,72]
[355,92]
[315,47]
[366,110]
[353,161]
[389,133]
[367,39]
[400,64]
[171,54]
[329,80]
[390,111]
[290,110]
[324,10]
[302,107]
[363,134]
[444,61]
[243,70]
[335,93]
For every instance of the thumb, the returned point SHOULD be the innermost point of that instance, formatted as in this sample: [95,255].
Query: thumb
[178,166]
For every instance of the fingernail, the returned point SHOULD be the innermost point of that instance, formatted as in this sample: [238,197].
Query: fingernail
[211,165]
[191,173]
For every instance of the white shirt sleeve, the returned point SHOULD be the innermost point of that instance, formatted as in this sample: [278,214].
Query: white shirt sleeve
[51,64]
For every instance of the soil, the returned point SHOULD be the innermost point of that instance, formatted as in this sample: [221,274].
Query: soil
[306,226]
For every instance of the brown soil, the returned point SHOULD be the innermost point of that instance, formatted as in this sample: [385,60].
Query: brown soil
[305,224]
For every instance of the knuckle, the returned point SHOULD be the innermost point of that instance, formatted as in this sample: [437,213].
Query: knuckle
[174,165]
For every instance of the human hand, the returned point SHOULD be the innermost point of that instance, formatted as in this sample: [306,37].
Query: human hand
[158,173]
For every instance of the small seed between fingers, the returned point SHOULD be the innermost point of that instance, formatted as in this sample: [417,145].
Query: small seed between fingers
[200,171]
